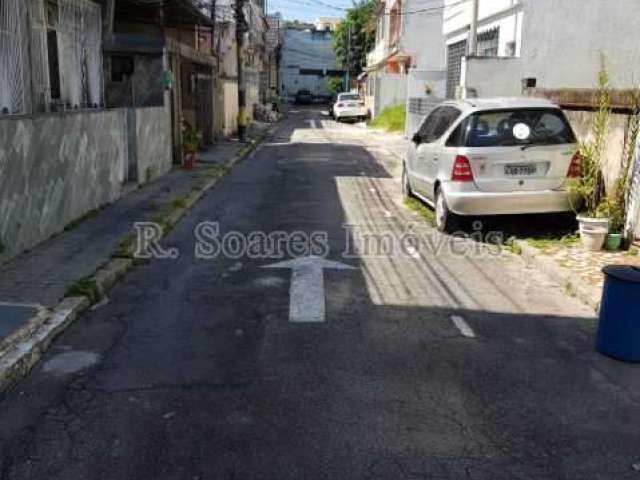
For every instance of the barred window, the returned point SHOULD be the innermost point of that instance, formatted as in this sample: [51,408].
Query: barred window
[12,84]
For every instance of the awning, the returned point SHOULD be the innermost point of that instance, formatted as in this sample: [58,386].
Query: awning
[162,12]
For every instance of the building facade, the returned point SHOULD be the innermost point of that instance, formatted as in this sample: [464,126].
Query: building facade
[409,41]
[307,62]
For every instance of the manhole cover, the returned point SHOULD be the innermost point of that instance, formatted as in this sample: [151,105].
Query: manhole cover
[13,317]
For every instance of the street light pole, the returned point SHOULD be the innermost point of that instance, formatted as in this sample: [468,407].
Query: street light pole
[242,95]
[348,60]
[473,29]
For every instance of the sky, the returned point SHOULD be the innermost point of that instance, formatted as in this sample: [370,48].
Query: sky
[308,10]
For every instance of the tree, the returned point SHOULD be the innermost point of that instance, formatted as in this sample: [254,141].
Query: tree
[357,31]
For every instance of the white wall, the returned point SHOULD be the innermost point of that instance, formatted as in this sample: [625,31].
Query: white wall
[562,42]
[302,49]
[421,35]
[561,54]
[457,15]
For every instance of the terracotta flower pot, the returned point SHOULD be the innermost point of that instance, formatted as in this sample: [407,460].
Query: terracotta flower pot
[189,161]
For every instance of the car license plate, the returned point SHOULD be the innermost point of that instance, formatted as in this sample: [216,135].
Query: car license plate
[520,170]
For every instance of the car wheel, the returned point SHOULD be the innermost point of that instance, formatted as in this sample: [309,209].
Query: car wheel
[446,220]
[406,185]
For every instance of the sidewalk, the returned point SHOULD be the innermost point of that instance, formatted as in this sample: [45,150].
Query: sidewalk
[41,277]
[577,271]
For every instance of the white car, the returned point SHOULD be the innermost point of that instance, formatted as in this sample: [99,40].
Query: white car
[492,157]
[349,106]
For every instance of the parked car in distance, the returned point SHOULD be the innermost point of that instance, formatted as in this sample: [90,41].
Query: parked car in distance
[349,106]
[303,97]
[492,156]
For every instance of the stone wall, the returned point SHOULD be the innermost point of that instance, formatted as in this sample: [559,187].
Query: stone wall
[153,142]
[54,169]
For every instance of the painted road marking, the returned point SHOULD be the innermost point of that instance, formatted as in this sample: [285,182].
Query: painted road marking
[463,326]
[306,293]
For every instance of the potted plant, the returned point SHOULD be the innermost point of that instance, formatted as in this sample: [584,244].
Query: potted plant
[588,190]
[191,143]
[616,204]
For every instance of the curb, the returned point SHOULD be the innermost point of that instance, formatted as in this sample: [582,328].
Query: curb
[574,285]
[24,348]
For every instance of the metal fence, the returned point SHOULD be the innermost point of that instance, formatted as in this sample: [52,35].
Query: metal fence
[12,84]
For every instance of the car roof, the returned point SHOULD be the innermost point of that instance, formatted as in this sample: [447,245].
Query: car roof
[498,103]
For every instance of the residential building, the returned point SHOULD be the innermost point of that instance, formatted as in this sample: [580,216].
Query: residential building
[63,153]
[274,44]
[499,35]
[307,61]
[409,38]
[157,53]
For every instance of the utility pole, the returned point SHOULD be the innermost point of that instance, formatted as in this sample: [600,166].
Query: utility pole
[242,94]
[347,89]
[473,30]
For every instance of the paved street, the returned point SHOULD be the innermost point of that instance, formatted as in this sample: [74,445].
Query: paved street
[430,358]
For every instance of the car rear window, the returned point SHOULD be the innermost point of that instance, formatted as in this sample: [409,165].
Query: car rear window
[532,126]
[344,98]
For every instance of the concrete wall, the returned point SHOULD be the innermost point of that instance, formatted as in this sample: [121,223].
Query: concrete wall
[153,142]
[421,36]
[144,88]
[562,42]
[54,169]
[504,15]
[566,54]
[390,89]
[494,77]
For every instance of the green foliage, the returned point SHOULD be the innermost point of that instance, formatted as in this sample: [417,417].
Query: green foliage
[87,287]
[550,242]
[422,210]
[191,138]
[357,30]
[335,85]
[589,188]
[616,204]
[391,119]
[512,245]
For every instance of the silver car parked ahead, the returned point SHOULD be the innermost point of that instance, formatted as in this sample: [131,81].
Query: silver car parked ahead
[492,157]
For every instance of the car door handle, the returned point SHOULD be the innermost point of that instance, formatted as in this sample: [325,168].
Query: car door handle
[435,157]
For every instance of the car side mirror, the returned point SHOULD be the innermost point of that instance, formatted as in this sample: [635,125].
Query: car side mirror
[417,139]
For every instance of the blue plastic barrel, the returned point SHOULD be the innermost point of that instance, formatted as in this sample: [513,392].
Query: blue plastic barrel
[619,327]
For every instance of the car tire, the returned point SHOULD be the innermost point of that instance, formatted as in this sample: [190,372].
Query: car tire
[446,220]
[406,184]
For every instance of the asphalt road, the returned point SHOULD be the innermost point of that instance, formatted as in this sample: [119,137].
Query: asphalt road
[435,360]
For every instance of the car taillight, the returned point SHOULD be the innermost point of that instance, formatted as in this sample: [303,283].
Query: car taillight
[575,169]
[340,105]
[361,104]
[461,170]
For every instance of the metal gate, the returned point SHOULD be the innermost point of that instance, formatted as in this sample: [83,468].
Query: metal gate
[455,52]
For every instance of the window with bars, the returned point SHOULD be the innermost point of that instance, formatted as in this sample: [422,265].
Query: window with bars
[63,62]
[455,52]
[12,84]
[488,42]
